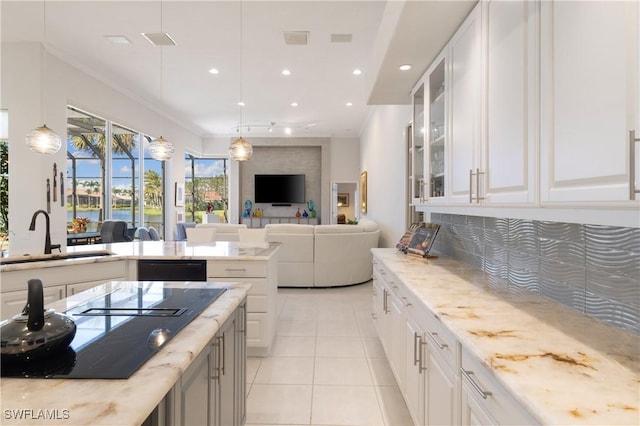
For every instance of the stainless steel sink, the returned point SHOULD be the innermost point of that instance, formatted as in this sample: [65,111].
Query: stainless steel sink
[50,257]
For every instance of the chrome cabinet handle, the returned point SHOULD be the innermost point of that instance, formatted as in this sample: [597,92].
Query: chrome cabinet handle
[374,316]
[632,164]
[385,303]
[478,197]
[470,186]
[421,366]
[437,341]
[416,344]
[406,301]
[236,269]
[483,393]
[216,360]
[222,353]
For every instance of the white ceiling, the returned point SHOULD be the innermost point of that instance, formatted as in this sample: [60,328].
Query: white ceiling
[208,35]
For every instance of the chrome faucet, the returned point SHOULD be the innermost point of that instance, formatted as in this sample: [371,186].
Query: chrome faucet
[47,239]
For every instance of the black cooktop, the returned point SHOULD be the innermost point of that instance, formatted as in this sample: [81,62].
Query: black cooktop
[118,332]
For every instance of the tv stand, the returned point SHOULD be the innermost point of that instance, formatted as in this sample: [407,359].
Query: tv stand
[260,222]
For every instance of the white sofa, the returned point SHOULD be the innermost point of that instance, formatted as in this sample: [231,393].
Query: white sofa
[324,255]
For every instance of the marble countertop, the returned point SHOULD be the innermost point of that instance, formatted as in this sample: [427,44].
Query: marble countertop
[229,250]
[117,402]
[563,366]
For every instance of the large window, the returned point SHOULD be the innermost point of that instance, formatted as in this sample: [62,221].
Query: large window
[206,187]
[104,180]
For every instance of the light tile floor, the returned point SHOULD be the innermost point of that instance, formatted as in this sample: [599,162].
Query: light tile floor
[327,366]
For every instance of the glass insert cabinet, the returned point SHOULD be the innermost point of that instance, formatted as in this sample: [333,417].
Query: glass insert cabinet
[427,165]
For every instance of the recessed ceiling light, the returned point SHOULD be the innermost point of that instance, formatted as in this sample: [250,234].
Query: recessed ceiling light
[349,104]
[240,103]
[405,67]
[294,104]
[214,71]
[286,72]
[118,39]
[287,130]
[357,71]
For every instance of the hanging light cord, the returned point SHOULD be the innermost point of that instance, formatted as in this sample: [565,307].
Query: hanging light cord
[161,76]
[43,67]
[241,66]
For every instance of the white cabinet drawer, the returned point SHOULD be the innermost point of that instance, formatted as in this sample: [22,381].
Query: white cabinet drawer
[489,394]
[441,340]
[12,303]
[65,274]
[224,269]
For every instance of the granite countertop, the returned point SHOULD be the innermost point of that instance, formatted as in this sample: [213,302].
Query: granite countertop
[563,366]
[119,402]
[229,250]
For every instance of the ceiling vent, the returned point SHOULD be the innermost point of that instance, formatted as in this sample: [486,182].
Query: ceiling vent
[341,38]
[296,37]
[159,39]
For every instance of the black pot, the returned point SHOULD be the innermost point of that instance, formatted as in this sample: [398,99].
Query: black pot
[35,333]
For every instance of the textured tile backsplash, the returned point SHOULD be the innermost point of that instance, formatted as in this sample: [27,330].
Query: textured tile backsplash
[593,269]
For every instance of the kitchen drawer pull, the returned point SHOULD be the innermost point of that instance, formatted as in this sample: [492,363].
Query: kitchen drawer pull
[385,302]
[222,350]
[215,364]
[437,341]
[483,393]
[374,316]
[236,269]
[406,301]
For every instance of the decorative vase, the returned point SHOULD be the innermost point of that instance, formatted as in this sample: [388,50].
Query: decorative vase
[313,213]
[305,214]
[298,214]
[310,205]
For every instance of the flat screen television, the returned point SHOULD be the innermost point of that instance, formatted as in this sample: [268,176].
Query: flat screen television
[279,189]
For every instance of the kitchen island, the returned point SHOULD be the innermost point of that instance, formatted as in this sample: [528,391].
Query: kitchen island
[83,267]
[155,393]
[468,348]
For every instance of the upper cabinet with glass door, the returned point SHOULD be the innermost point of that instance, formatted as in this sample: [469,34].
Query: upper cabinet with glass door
[437,133]
[416,147]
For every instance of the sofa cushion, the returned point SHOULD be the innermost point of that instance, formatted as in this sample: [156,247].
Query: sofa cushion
[289,228]
[181,234]
[338,229]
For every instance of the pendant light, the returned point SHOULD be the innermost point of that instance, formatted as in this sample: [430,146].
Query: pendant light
[240,149]
[42,139]
[160,148]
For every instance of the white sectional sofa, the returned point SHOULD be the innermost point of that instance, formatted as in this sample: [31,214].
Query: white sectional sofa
[324,255]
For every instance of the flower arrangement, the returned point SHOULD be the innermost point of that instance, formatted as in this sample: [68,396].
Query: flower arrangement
[79,224]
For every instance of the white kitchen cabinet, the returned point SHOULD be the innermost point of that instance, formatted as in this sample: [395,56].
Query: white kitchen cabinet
[465,50]
[59,280]
[415,368]
[484,401]
[589,100]
[440,388]
[261,305]
[12,302]
[511,105]
[417,150]
[212,391]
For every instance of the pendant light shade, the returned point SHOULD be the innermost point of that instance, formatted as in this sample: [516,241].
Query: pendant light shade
[44,140]
[161,149]
[240,150]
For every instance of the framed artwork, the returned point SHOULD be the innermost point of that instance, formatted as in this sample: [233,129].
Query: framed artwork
[363,192]
[343,200]
[179,194]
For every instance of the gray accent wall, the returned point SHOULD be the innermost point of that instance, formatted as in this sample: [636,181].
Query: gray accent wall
[593,269]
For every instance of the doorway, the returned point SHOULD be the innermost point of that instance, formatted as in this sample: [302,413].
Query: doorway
[344,196]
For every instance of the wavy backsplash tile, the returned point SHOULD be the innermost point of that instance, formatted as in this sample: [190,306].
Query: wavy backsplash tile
[591,268]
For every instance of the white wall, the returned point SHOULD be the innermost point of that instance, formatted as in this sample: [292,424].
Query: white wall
[383,155]
[64,85]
